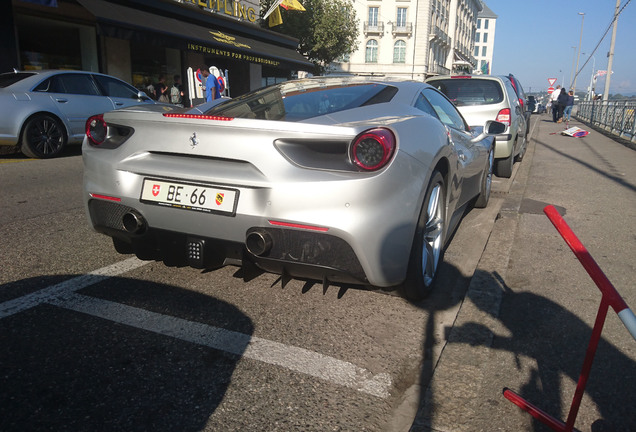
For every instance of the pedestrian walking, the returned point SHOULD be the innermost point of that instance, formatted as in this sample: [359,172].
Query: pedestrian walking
[562,101]
[568,106]
[162,90]
[553,98]
[176,92]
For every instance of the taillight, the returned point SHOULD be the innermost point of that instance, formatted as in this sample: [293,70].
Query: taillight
[198,116]
[96,129]
[104,135]
[521,103]
[373,149]
[504,116]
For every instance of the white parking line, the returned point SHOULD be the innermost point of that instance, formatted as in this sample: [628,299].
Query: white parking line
[293,358]
[28,301]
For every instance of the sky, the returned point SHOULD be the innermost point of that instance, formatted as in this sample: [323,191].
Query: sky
[539,39]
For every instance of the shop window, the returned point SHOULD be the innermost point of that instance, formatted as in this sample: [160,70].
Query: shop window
[44,45]
[148,63]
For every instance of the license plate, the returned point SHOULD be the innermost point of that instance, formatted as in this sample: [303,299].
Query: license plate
[187,196]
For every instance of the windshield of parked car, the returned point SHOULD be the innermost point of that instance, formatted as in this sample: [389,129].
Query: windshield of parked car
[11,78]
[300,100]
[470,91]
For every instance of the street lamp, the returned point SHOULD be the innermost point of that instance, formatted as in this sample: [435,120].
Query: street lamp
[579,55]
[572,70]
[592,90]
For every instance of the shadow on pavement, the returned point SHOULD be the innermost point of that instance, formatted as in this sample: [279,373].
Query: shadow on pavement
[555,340]
[608,170]
[61,369]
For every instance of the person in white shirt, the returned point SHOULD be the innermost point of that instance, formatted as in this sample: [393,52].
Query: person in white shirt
[554,96]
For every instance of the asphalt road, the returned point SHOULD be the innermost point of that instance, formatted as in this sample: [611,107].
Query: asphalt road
[94,340]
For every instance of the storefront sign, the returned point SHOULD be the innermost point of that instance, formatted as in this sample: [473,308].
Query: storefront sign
[227,39]
[237,9]
[231,54]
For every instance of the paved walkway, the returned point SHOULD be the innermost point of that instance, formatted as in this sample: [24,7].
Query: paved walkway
[530,308]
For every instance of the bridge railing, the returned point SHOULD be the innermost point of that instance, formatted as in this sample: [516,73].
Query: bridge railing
[616,116]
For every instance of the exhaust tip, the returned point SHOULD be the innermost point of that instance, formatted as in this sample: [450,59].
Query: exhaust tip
[258,243]
[133,222]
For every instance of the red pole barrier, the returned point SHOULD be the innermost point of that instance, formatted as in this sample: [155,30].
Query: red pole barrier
[595,272]
[610,297]
[607,289]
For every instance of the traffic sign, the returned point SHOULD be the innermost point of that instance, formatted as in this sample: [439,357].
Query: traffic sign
[552,81]
[550,90]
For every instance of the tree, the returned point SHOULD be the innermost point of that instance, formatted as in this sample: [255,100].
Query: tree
[326,31]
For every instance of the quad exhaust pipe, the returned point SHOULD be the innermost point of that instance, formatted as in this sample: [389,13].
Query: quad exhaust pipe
[133,222]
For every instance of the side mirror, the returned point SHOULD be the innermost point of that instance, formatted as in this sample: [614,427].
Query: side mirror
[142,96]
[494,127]
[491,128]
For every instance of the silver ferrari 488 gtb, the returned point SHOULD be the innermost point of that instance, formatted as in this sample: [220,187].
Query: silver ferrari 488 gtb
[343,180]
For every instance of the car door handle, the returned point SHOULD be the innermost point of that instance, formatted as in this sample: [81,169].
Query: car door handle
[61,100]
[119,103]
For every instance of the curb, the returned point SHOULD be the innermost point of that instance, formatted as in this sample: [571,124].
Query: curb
[453,395]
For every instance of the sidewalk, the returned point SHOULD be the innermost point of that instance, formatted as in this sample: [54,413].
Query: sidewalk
[527,318]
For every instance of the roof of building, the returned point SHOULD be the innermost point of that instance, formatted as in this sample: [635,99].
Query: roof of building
[486,12]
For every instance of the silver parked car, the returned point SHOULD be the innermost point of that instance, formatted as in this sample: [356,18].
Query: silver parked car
[488,97]
[343,180]
[42,111]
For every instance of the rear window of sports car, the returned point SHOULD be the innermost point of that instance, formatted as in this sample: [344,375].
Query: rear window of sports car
[11,78]
[289,103]
[472,91]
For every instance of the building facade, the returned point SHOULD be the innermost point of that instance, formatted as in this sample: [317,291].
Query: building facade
[140,40]
[412,38]
[485,40]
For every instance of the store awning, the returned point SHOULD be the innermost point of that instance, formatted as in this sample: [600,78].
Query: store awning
[461,60]
[119,21]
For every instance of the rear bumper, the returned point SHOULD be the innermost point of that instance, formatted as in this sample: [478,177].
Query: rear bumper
[297,253]
[503,146]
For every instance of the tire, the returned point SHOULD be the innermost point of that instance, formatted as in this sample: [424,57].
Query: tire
[522,151]
[486,182]
[43,137]
[428,242]
[503,167]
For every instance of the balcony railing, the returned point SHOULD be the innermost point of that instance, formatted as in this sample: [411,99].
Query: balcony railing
[436,69]
[374,28]
[404,29]
[439,35]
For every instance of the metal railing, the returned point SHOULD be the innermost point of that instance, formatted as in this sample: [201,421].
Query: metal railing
[617,117]
[405,28]
[436,69]
[373,28]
